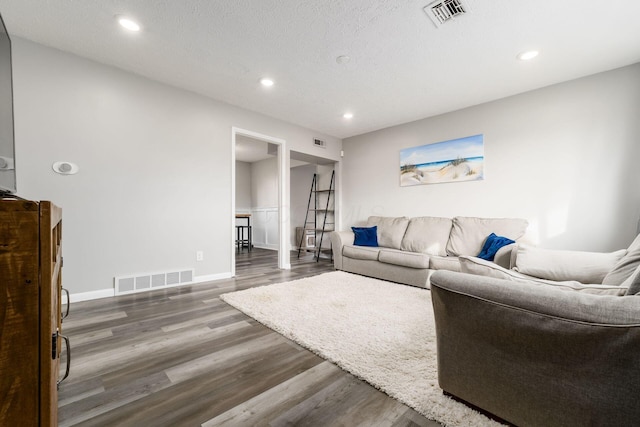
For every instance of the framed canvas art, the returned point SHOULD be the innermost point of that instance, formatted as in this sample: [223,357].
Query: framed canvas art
[456,160]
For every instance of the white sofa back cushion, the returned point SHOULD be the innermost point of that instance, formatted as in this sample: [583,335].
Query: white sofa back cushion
[427,235]
[562,265]
[468,234]
[390,230]
[481,267]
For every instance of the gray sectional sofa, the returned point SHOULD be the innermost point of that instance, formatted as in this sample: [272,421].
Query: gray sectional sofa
[410,249]
[538,337]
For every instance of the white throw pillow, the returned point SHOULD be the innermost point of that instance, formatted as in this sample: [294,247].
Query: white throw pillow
[562,265]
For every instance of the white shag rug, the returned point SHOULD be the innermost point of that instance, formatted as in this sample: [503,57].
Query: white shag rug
[381,332]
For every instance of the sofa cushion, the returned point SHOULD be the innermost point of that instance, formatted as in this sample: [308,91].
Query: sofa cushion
[626,266]
[480,267]
[390,230]
[450,263]
[427,235]
[360,252]
[404,259]
[365,236]
[561,265]
[468,234]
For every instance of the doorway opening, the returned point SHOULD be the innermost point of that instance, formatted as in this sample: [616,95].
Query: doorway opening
[314,206]
[258,174]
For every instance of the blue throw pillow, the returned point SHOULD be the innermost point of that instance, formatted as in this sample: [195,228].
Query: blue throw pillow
[491,246]
[366,236]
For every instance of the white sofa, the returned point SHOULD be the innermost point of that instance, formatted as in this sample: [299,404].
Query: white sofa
[410,249]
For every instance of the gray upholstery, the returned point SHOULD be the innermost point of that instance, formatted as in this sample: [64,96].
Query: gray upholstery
[340,239]
[411,249]
[481,267]
[390,230]
[585,267]
[505,254]
[626,266]
[633,283]
[468,234]
[427,235]
[393,273]
[361,252]
[404,259]
[535,355]
[450,263]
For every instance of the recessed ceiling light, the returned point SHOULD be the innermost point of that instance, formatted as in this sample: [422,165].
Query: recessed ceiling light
[526,56]
[266,82]
[348,115]
[128,23]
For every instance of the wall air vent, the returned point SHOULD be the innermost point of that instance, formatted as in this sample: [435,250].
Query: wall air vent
[442,11]
[150,281]
[319,143]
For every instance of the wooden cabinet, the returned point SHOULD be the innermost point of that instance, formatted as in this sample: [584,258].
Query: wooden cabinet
[30,312]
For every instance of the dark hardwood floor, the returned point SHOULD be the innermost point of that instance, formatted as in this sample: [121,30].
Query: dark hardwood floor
[182,357]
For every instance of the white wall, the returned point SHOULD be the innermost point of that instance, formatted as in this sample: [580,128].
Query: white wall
[243,187]
[264,203]
[264,183]
[154,184]
[565,157]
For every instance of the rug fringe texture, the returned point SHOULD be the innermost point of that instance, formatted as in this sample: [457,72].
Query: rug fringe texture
[381,332]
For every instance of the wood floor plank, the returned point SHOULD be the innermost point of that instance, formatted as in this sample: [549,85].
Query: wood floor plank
[183,357]
[269,404]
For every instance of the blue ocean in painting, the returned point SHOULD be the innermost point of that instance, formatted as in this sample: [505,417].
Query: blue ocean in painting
[444,163]
[469,148]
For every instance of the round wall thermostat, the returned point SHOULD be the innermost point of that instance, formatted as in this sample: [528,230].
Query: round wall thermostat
[65,168]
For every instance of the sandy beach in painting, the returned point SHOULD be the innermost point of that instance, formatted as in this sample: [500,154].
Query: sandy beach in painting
[456,160]
[453,171]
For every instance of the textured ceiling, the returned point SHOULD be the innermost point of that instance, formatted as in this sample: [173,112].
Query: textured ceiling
[402,67]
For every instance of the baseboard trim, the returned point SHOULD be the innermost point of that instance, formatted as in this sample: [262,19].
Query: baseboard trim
[106,293]
[212,277]
[265,246]
[87,296]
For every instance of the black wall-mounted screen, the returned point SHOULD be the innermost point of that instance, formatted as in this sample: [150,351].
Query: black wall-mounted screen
[7,145]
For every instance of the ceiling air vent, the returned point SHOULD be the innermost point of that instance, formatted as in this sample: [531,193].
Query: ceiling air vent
[442,11]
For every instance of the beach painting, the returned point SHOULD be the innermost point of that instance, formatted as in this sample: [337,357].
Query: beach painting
[457,160]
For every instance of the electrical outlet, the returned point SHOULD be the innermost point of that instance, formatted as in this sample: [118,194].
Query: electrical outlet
[199,255]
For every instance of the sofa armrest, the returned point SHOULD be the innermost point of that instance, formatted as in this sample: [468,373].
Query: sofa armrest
[536,355]
[506,255]
[338,240]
